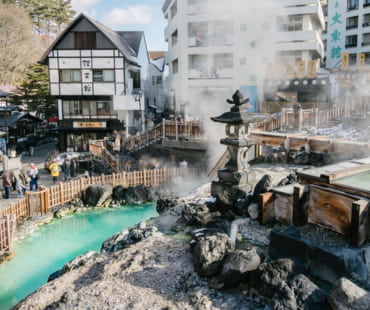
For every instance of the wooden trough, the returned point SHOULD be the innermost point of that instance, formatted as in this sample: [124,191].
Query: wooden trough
[334,197]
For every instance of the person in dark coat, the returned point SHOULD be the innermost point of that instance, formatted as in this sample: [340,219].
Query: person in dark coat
[67,168]
[7,184]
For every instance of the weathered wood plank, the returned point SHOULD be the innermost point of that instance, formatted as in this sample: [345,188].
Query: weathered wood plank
[330,209]
[283,208]
[267,213]
[300,201]
[360,222]
[344,172]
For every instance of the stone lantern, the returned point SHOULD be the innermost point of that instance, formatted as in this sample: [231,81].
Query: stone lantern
[235,178]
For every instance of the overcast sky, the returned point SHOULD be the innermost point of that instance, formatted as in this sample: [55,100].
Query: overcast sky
[128,15]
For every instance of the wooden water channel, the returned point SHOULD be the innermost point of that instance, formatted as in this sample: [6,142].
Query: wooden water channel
[36,204]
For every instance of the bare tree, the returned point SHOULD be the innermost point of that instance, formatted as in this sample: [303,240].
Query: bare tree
[20,46]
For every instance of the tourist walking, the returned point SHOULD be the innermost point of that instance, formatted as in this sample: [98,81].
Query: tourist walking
[7,184]
[54,171]
[67,169]
[23,178]
[21,189]
[33,173]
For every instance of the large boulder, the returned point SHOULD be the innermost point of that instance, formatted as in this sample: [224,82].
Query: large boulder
[127,237]
[97,195]
[347,295]
[267,278]
[237,264]
[197,214]
[165,204]
[132,195]
[209,252]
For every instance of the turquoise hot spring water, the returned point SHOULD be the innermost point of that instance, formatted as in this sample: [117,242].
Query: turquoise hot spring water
[52,245]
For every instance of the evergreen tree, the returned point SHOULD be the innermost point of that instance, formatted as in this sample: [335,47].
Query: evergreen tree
[33,92]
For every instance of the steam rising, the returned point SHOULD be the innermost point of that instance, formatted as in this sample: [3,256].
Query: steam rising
[253,47]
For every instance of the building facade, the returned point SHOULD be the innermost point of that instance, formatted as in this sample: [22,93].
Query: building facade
[216,47]
[98,78]
[348,32]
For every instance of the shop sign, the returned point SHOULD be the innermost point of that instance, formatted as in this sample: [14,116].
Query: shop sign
[89,124]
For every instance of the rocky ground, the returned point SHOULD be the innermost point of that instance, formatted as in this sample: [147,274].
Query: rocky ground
[185,259]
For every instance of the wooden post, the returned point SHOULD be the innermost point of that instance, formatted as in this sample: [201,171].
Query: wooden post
[300,197]
[360,222]
[177,130]
[163,129]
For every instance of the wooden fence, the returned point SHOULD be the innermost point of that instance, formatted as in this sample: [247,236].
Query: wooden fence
[7,228]
[36,204]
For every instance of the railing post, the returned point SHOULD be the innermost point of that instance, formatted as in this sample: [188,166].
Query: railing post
[177,130]
[163,128]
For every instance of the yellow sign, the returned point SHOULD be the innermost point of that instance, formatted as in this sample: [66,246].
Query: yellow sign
[311,68]
[89,124]
[301,69]
[361,60]
[345,61]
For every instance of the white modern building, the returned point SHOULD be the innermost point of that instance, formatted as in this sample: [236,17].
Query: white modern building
[217,46]
[99,79]
[348,34]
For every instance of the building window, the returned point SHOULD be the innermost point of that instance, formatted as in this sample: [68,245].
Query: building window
[366,3]
[153,80]
[352,59]
[223,61]
[174,9]
[102,108]
[351,41]
[159,80]
[70,76]
[72,107]
[222,33]
[366,20]
[85,40]
[136,80]
[366,39]
[290,23]
[198,34]
[367,58]
[352,5]
[174,38]
[175,66]
[103,76]
[352,22]
[197,7]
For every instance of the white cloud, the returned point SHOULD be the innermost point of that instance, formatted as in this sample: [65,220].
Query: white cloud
[83,5]
[132,15]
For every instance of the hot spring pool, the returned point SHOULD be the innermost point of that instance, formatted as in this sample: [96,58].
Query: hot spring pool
[52,245]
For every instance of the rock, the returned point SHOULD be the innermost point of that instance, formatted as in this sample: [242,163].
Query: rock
[261,187]
[284,298]
[96,195]
[253,211]
[132,195]
[127,237]
[59,214]
[307,294]
[289,179]
[347,295]
[196,214]
[240,206]
[165,204]
[238,263]
[209,252]
[267,278]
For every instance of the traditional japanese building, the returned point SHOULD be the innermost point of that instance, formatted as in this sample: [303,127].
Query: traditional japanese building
[98,78]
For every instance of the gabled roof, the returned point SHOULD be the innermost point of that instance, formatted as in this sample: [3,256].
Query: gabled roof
[119,42]
[133,38]
[11,120]
[153,55]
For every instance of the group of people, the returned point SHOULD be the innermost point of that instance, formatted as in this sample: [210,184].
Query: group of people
[13,181]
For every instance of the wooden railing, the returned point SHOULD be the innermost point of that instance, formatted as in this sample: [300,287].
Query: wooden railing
[36,204]
[307,118]
[7,228]
[176,130]
[98,148]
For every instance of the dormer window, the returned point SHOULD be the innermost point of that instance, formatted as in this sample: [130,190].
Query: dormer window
[85,40]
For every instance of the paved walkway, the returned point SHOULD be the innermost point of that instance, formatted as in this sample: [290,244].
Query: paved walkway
[38,158]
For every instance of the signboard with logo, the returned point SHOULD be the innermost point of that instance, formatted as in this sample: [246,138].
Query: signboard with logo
[89,124]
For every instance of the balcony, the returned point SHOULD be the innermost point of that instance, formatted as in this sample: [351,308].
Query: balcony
[365,43]
[366,4]
[210,73]
[350,45]
[352,26]
[366,24]
[211,40]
